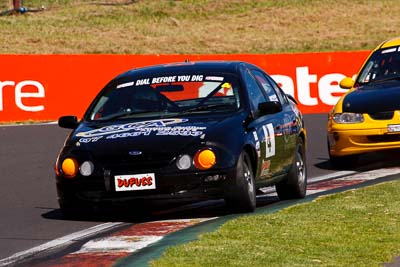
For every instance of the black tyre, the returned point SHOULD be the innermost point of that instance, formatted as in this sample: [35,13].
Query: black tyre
[295,183]
[343,162]
[70,206]
[73,212]
[241,195]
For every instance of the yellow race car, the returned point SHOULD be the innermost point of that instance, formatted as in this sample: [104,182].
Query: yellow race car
[367,117]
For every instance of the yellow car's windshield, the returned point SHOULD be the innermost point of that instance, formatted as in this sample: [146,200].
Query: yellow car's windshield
[383,64]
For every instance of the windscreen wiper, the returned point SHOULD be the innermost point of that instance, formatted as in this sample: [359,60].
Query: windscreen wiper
[124,114]
[387,79]
[205,107]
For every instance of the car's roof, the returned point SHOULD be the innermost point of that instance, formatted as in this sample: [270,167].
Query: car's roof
[187,66]
[389,43]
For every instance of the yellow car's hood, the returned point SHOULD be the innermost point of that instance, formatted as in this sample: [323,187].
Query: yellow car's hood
[374,97]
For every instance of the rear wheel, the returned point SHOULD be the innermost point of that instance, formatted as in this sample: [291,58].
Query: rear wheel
[242,194]
[295,184]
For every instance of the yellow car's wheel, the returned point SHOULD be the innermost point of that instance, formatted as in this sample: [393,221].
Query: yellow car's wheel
[342,162]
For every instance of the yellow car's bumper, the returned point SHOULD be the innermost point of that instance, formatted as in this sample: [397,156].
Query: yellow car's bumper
[369,136]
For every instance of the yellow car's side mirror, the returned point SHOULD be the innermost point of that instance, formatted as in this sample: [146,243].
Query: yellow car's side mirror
[346,83]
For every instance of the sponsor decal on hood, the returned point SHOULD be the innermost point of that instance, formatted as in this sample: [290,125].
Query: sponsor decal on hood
[144,128]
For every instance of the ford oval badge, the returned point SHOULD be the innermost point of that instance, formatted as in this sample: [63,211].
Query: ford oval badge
[135,153]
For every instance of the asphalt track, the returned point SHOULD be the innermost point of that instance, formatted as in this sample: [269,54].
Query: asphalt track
[28,206]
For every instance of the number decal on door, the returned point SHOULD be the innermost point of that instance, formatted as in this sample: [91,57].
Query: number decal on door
[269,140]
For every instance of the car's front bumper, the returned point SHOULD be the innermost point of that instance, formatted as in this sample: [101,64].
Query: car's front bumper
[101,190]
[346,141]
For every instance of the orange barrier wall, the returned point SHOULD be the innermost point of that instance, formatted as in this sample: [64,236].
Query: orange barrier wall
[44,87]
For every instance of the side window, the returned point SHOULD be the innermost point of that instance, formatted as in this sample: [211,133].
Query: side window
[266,85]
[279,91]
[255,94]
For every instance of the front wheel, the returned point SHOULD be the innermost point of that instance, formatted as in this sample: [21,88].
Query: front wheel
[241,196]
[70,206]
[342,162]
[295,184]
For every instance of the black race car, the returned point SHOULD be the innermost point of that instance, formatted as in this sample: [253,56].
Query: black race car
[204,130]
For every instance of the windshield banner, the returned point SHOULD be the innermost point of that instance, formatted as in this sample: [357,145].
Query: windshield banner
[45,87]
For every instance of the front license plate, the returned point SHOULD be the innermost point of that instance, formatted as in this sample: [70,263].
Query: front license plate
[393,128]
[135,182]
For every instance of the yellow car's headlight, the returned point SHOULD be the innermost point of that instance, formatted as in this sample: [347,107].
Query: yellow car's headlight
[348,117]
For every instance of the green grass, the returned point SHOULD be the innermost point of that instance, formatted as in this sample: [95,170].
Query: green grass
[355,228]
[197,27]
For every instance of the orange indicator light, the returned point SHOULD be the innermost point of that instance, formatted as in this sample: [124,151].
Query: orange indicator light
[204,159]
[70,167]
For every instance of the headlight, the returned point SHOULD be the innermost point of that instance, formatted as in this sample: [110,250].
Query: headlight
[348,117]
[184,162]
[86,168]
[204,159]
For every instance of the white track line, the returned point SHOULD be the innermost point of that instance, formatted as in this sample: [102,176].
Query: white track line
[330,176]
[59,242]
[271,189]
[28,124]
[113,244]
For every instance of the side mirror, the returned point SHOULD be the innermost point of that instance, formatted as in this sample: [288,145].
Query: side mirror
[292,99]
[69,122]
[270,107]
[346,83]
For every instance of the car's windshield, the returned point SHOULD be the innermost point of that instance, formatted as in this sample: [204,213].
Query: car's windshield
[167,96]
[384,64]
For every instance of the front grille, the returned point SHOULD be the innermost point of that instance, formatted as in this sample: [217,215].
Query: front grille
[136,162]
[387,115]
[384,138]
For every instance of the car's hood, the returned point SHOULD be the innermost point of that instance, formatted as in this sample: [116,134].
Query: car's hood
[160,136]
[373,98]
